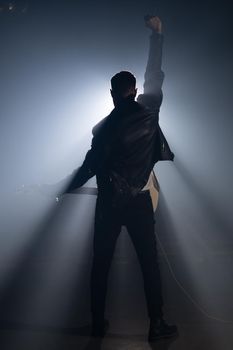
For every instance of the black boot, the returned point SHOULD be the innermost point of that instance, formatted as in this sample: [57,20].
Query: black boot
[99,328]
[160,329]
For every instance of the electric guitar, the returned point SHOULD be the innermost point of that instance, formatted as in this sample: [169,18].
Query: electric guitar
[152,186]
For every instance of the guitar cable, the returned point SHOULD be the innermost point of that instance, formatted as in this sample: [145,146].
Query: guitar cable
[193,301]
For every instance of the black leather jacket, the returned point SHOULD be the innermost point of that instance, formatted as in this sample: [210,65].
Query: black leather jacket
[127,143]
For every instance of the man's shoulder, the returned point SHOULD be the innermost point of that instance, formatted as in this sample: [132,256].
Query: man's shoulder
[99,126]
[150,101]
[146,113]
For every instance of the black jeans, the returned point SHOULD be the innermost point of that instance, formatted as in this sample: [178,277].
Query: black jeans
[138,217]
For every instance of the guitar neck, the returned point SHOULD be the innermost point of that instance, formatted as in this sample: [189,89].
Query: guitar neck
[92,191]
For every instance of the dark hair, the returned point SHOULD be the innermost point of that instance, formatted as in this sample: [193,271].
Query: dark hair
[123,82]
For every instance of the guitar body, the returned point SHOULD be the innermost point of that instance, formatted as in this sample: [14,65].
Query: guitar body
[154,193]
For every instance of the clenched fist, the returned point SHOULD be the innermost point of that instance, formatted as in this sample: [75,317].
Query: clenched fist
[154,23]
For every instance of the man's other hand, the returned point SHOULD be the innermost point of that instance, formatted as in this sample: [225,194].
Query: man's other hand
[154,23]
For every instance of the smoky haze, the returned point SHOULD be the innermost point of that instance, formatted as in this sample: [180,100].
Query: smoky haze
[57,59]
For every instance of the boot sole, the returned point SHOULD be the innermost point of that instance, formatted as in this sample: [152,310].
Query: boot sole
[151,340]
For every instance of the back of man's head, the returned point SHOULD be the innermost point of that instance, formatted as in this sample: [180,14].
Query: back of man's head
[123,84]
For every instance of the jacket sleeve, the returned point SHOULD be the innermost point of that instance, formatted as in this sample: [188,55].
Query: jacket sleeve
[74,180]
[94,160]
[152,95]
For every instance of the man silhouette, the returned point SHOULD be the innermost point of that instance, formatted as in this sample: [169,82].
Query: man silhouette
[125,147]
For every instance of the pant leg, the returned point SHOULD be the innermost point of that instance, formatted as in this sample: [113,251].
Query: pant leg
[106,232]
[140,225]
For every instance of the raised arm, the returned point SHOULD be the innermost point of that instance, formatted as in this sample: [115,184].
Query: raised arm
[152,95]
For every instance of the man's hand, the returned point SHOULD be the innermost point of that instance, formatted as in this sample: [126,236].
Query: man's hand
[154,23]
